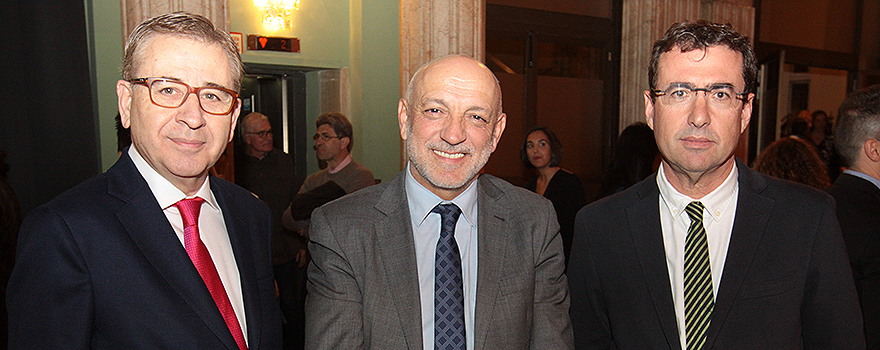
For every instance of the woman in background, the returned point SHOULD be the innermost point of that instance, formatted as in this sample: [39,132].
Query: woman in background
[795,160]
[542,150]
[635,157]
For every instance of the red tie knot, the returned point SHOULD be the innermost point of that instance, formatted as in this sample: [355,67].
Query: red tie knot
[189,210]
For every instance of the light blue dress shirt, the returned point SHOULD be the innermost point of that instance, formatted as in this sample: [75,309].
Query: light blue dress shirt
[426,233]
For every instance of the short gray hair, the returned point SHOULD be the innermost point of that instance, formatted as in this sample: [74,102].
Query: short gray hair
[858,121]
[184,24]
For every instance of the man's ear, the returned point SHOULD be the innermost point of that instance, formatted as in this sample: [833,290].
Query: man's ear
[746,115]
[649,109]
[500,124]
[235,113]
[123,96]
[345,141]
[402,117]
[872,150]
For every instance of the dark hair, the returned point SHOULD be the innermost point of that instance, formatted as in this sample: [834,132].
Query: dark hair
[701,35]
[555,147]
[795,160]
[633,160]
[858,120]
[340,124]
[799,127]
[184,24]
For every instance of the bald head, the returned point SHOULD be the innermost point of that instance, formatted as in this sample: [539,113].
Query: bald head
[456,70]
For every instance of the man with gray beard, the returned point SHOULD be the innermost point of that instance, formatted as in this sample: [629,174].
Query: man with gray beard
[440,256]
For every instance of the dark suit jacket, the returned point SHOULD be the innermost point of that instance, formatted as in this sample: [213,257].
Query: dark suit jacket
[786,282]
[364,288]
[99,267]
[858,211]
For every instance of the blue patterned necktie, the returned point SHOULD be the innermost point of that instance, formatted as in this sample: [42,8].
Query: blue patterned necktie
[448,284]
[698,295]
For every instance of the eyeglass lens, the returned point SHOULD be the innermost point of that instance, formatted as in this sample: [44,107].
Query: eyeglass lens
[172,94]
[721,97]
[323,137]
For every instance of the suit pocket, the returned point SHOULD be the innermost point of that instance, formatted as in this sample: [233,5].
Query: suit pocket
[769,288]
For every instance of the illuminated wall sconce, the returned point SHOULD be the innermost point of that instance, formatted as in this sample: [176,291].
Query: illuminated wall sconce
[278,13]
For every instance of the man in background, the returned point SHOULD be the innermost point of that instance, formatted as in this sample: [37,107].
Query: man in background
[268,172]
[342,175]
[857,192]
[333,142]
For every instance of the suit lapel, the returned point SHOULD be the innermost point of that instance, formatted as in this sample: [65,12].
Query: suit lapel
[752,215]
[492,248]
[643,217]
[149,229]
[396,247]
[242,248]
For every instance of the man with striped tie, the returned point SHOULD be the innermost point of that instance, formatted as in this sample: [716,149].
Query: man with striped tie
[708,253]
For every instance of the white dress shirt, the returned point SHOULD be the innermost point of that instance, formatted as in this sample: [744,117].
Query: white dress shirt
[426,233]
[212,229]
[718,215]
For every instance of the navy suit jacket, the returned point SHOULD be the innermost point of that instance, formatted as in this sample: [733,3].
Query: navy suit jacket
[786,282]
[858,210]
[100,267]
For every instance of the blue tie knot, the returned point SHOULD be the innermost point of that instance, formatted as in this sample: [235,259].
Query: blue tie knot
[449,214]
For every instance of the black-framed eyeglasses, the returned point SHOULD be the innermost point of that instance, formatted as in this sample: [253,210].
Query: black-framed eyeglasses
[262,134]
[719,96]
[170,93]
[324,137]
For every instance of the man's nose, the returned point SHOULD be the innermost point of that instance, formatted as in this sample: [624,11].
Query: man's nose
[190,112]
[455,131]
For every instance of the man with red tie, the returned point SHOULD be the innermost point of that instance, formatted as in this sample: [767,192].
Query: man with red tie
[155,253]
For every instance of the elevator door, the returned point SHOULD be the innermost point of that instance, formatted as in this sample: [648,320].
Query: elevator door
[280,95]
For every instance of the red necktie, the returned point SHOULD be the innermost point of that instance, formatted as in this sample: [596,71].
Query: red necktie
[189,210]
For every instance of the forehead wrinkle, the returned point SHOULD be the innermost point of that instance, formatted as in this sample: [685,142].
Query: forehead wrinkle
[692,86]
[438,101]
[205,49]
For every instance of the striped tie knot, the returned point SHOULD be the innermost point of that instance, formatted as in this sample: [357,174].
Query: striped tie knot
[695,211]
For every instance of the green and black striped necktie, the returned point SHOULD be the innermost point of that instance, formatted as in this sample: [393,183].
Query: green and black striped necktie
[698,299]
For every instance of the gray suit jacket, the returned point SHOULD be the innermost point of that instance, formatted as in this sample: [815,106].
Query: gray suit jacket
[363,284]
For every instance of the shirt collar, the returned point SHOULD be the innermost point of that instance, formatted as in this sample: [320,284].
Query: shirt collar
[422,201]
[165,192]
[862,175]
[341,165]
[716,202]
